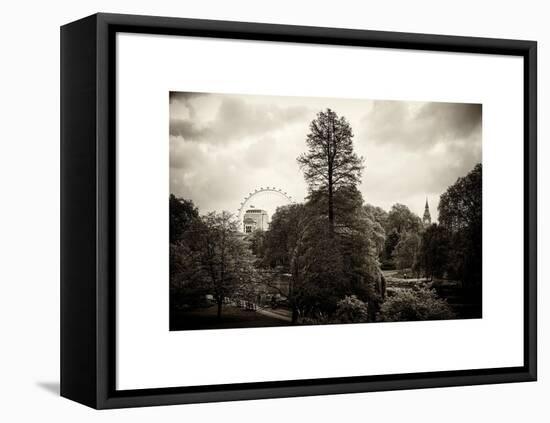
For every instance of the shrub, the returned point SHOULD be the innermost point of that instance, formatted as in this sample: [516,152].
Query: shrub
[351,310]
[414,304]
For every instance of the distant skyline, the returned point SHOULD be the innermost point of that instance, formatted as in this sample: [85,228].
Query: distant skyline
[223,146]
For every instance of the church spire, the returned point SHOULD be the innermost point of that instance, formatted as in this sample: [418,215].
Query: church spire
[427,219]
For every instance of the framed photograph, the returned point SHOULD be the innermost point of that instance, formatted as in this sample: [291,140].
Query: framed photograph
[257,211]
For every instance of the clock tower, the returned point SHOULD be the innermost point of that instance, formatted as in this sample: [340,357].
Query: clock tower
[427,219]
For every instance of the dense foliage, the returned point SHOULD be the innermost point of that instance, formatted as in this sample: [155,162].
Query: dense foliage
[414,304]
[209,258]
[351,310]
[330,249]
[330,162]
[460,213]
[325,266]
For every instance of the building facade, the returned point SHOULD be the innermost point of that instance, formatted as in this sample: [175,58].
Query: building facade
[255,219]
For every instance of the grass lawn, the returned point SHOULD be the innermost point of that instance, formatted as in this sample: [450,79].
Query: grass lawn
[232,317]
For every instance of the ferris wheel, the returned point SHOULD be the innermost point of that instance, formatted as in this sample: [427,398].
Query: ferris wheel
[262,191]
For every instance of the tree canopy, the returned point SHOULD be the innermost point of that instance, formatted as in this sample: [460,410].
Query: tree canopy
[207,256]
[321,259]
[330,162]
[434,251]
[402,219]
[460,213]
[183,215]
[460,206]
[407,250]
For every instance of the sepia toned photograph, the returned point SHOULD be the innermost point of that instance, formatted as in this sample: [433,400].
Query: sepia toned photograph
[289,211]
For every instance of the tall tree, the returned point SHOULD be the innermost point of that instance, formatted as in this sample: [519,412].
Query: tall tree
[434,251]
[399,221]
[406,251]
[284,248]
[460,206]
[379,214]
[330,162]
[377,221]
[256,242]
[392,239]
[185,230]
[402,219]
[183,214]
[227,263]
[324,268]
[460,213]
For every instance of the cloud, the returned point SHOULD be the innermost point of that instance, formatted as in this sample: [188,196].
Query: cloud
[184,97]
[235,118]
[185,156]
[416,126]
[209,177]
[452,120]
[222,146]
[259,153]
[419,149]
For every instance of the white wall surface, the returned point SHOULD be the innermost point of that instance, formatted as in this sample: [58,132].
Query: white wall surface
[29,212]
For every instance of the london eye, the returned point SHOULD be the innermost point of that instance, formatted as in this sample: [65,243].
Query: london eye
[268,195]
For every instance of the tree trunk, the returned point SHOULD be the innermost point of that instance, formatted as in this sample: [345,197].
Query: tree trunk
[294,315]
[219,315]
[330,203]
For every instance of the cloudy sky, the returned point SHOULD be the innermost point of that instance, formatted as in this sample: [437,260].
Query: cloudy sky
[223,146]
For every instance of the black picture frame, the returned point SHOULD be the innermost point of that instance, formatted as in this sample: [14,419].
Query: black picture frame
[88,201]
